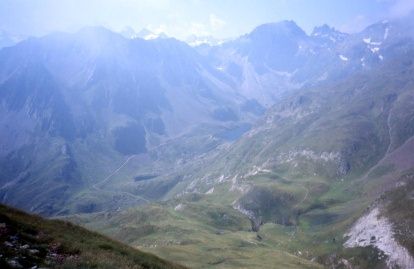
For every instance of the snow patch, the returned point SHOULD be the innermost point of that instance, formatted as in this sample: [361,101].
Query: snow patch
[374,50]
[256,170]
[210,191]
[367,40]
[221,179]
[376,230]
[370,42]
[151,36]
[343,58]
[179,207]
[363,62]
[308,154]
[386,33]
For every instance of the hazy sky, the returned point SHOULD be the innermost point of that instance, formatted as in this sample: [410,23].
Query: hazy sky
[180,18]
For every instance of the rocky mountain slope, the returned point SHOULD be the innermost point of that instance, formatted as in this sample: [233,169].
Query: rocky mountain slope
[93,102]
[74,107]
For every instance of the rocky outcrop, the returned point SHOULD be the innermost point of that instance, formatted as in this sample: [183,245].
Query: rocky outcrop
[376,230]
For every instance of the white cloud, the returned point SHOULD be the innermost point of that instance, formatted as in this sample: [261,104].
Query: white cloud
[215,22]
[158,29]
[198,29]
[181,29]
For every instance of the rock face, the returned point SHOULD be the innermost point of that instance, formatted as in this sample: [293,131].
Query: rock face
[373,229]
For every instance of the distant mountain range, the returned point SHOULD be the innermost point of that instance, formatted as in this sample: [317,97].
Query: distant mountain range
[239,152]
[146,34]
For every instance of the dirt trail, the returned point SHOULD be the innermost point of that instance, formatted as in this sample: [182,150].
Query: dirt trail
[95,186]
[304,198]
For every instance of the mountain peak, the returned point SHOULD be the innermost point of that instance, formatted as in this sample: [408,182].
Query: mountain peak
[194,40]
[148,35]
[129,32]
[289,28]
[144,32]
[323,29]
[97,32]
[6,39]
[327,32]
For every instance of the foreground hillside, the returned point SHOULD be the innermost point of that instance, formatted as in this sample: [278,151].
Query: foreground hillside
[28,241]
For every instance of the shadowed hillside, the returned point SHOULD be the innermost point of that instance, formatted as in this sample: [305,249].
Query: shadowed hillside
[28,241]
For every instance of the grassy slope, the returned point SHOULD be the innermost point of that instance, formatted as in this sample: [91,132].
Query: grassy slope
[203,233]
[32,240]
[206,231]
[321,205]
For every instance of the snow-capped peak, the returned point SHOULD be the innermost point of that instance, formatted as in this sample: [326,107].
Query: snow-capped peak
[146,34]
[195,41]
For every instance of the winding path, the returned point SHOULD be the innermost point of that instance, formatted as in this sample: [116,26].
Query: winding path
[95,186]
[304,198]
